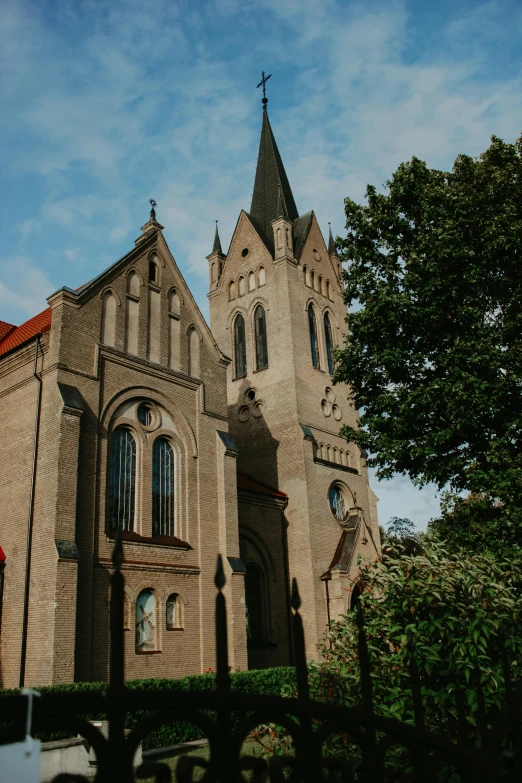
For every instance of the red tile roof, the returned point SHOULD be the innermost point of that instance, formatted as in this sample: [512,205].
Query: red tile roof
[5,328]
[19,335]
[244,482]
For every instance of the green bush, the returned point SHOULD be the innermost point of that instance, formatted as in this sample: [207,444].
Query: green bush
[274,682]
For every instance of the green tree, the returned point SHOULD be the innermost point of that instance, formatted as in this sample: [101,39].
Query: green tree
[459,611]
[400,535]
[434,357]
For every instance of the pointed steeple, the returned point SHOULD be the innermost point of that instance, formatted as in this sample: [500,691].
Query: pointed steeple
[332,250]
[217,242]
[271,186]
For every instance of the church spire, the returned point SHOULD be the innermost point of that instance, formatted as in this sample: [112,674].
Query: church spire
[270,179]
[217,242]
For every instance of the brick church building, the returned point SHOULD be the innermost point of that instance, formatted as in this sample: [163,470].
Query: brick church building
[121,409]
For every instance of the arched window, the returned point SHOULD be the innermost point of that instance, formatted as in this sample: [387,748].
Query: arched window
[193,346]
[231,291]
[261,344]
[108,330]
[133,284]
[241,286]
[312,326]
[328,342]
[163,489]
[320,285]
[261,275]
[174,302]
[307,277]
[312,279]
[240,346]
[122,480]
[146,634]
[153,272]
[251,281]
[328,453]
[213,272]
[335,455]
[329,291]
[255,602]
[174,612]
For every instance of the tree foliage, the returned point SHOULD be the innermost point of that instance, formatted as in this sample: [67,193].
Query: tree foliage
[460,612]
[434,358]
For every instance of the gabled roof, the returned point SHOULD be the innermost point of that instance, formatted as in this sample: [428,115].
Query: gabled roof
[5,328]
[272,193]
[19,335]
[300,232]
[244,482]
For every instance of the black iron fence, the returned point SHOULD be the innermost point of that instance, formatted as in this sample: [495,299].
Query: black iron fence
[310,724]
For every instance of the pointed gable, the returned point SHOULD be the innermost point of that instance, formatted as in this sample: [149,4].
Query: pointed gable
[272,194]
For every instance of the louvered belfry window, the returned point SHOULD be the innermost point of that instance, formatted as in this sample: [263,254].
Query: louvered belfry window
[122,489]
[240,346]
[329,343]
[312,326]
[261,345]
[163,490]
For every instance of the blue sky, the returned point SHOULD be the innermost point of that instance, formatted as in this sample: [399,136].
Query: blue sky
[106,104]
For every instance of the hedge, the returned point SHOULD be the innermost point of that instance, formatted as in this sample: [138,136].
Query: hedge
[276,682]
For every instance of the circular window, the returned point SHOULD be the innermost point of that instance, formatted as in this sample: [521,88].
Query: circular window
[244,413]
[338,505]
[326,407]
[250,395]
[258,409]
[328,393]
[244,252]
[316,254]
[148,416]
[336,412]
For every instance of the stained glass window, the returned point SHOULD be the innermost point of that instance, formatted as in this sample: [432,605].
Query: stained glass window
[146,621]
[261,344]
[312,326]
[163,490]
[329,343]
[240,346]
[337,503]
[122,480]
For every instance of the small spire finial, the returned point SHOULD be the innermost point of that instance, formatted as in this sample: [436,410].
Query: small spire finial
[152,211]
[217,242]
[332,250]
[263,82]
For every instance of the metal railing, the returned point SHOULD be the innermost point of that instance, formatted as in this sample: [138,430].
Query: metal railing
[309,723]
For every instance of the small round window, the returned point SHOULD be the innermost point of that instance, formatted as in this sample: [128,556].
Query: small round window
[338,505]
[145,414]
[244,252]
[148,416]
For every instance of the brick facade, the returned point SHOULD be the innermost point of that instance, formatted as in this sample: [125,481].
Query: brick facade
[135,335]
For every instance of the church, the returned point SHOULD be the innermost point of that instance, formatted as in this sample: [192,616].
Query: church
[122,410]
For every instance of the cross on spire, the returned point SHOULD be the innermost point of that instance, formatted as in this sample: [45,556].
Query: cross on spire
[263,82]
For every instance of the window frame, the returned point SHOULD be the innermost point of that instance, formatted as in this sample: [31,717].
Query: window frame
[314,336]
[260,344]
[109,527]
[240,358]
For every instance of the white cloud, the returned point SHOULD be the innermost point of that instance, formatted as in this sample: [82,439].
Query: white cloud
[24,291]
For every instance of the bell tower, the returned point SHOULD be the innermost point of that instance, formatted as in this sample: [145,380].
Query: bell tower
[277,310]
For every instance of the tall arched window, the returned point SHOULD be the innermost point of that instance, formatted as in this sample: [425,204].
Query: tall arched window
[312,326]
[174,330]
[328,342]
[231,291]
[261,275]
[255,603]
[240,346]
[146,634]
[193,351]
[174,613]
[312,279]
[241,286]
[133,303]
[251,281]
[108,330]
[163,489]
[122,480]
[261,344]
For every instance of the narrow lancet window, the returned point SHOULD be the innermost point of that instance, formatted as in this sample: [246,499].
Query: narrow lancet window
[328,342]
[108,330]
[163,491]
[312,326]
[146,622]
[240,346]
[261,343]
[122,480]
[193,346]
